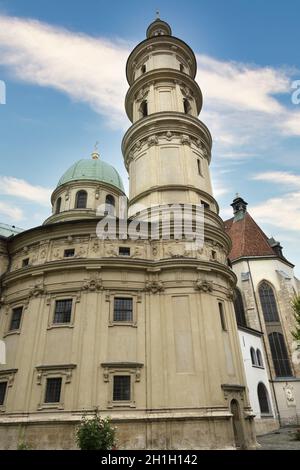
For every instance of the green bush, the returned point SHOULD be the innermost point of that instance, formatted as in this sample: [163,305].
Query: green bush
[95,433]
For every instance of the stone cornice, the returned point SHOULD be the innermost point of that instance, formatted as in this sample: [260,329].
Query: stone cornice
[119,264]
[163,122]
[174,187]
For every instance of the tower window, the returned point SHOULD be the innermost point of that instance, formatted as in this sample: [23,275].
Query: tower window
[199,166]
[143,68]
[144,108]
[222,316]
[58,206]
[186,106]
[121,388]
[213,255]
[25,262]
[53,390]
[81,200]
[181,68]
[123,309]
[16,319]
[69,253]
[239,309]
[63,311]
[3,387]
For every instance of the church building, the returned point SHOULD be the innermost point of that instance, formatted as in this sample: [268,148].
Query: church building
[143,328]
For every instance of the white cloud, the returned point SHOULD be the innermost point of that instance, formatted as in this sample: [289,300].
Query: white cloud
[283,212]
[12,212]
[281,177]
[85,68]
[24,190]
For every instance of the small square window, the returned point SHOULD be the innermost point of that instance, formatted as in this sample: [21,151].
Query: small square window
[3,387]
[25,262]
[121,391]
[16,317]
[143,68]
[124,251]
[69,253]
[123,309]
[53,390]
[63,311]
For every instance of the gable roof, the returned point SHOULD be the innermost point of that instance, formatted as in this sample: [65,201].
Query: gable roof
[247,238]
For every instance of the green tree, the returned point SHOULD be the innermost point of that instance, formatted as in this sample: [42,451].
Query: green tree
[296,308]
[95,433]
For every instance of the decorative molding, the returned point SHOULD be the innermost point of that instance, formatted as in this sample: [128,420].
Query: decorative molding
[154,287]
[93,285]
[63,369]
[233,390]
[9,375]
[204,286]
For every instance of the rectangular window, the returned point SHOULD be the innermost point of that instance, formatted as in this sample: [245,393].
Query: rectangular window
[63,311]
[3,387]
[16,319]
[124,251]
[199,167]
[69,253]
[121,390]
[53,389]
[25,262]
[123,309]
[222,316]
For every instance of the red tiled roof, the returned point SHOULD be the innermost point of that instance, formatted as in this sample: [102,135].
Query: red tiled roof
[247,238]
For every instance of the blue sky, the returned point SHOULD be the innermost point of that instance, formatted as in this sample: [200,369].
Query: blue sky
[63,64]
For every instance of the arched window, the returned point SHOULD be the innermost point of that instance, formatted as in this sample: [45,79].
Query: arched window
[58,206]
[110,204]
[144,108]
[239,309]
[268,303]
[81,200]
[263,399]
[259,358]
[279,355]
[253,357]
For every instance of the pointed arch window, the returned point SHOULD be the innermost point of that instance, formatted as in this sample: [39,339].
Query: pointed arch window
[279,355]
[239,309]
[58,206]
[268,303]
[110,204]
[81,200]
[263,398]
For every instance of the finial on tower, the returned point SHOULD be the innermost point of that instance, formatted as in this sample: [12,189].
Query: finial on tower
[95,153]
[157,14]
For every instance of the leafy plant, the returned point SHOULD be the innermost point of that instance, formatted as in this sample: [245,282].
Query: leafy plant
[95,433]
[296,308]
[23,446]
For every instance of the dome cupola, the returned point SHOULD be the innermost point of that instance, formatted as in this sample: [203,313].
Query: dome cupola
[86,185]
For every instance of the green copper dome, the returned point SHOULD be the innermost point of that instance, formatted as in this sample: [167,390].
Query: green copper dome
[93,169]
